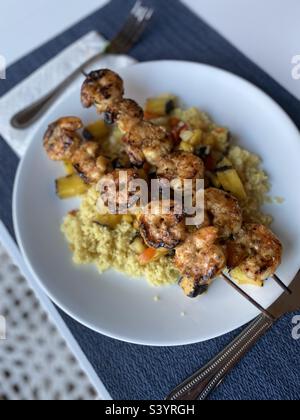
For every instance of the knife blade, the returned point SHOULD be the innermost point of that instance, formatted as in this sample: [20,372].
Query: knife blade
[287,303]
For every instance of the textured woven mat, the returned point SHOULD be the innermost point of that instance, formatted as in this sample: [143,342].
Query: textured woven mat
[271,370]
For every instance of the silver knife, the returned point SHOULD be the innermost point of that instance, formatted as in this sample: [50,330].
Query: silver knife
[200,385]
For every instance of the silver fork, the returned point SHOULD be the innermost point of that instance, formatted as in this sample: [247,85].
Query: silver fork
[129,35]
[200,385]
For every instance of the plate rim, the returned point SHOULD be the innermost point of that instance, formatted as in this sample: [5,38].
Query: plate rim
[30,266]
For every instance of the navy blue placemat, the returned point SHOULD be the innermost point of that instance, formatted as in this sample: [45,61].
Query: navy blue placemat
[271,370]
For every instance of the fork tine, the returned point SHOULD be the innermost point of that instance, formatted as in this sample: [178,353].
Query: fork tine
[281,284]
[131,33]
[132,29]
[125,31]
[126,44]
[139,31]
[246,296]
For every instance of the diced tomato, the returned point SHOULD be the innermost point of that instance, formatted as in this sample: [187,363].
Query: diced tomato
[147,256]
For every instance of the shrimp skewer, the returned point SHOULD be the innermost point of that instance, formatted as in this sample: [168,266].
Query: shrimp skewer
[143,140]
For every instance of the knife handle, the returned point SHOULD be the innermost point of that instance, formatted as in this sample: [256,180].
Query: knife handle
[207,379]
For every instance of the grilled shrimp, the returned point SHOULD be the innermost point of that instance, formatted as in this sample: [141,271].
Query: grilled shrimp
[162,225]
[115,191]
[180,166]
[128,114]
[200,259]
[147,142]
[61,139]
[88,162]
[143,141]
[102,88]
[255,254]
[224,211]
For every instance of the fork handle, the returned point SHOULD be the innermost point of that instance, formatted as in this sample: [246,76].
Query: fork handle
[29,115]
[207,379]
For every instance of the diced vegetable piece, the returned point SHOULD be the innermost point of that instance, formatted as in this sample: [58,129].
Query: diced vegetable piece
[222,136]
[70,186]
[191,137]
[218,138]
[109,220]
[161,252]
[197,137]
[238,275]
[150,255]
[69,168]
[147,256]
[186,147]
[128,218]
[191,289]
[177,130]
[136,224]
[186,135]
[230,180]
[117,135]
[224,163]
[138,246]
[160,106]
[98,130]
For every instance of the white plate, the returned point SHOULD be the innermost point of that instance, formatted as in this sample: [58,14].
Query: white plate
[124,308]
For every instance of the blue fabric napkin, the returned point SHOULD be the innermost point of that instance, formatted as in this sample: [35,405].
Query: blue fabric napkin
[271,370]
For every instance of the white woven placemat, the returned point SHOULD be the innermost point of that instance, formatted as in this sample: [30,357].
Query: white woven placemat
[35,362]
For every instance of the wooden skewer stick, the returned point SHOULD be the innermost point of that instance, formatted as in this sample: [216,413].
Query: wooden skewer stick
[281,284]
[246,296]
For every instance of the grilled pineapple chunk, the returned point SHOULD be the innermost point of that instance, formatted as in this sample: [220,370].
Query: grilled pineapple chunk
[138,246]
[192,137]
[109,220]
[186,147]
[69,168]
[96,131]
[238,275]
[160,106]
[70,186]
[230,180]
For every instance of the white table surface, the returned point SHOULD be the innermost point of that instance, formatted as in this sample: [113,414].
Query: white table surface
[267,31]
